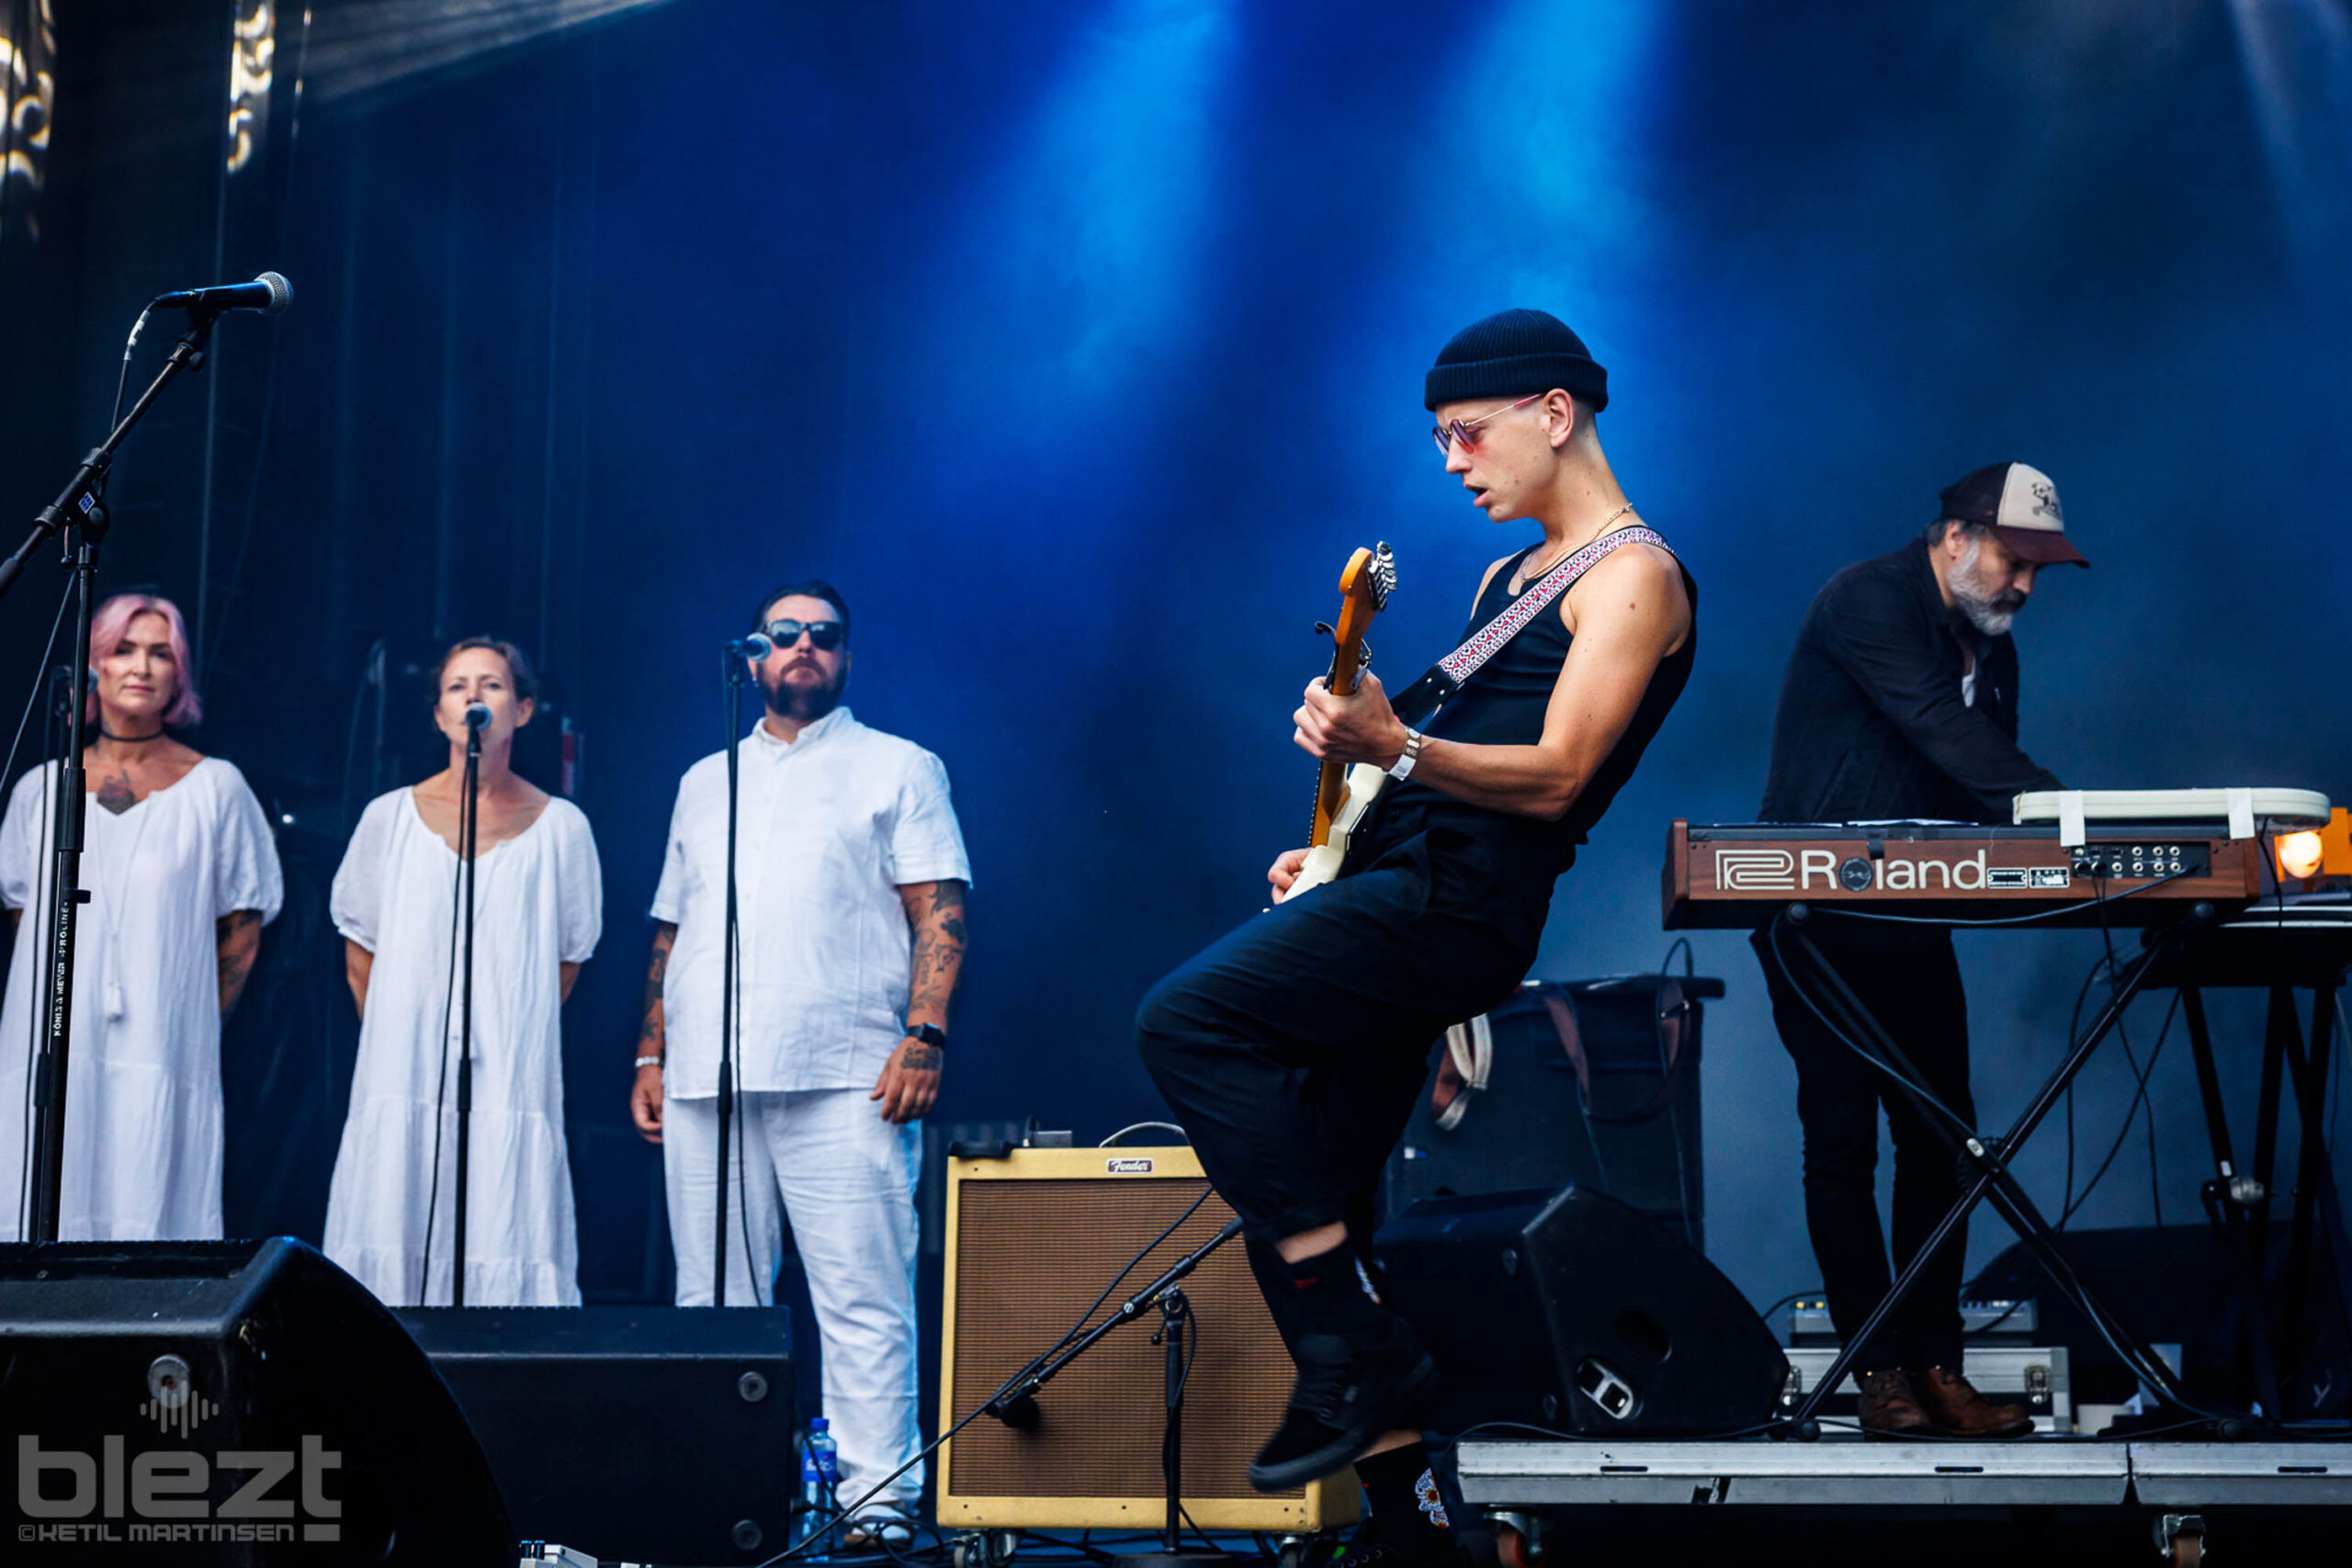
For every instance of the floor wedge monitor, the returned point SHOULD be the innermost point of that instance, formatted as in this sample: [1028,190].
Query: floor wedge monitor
[1569,1311]
[239,1402]
[642,1434]
[1034,1238]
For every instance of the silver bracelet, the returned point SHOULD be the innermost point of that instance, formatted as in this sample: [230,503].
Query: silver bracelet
[1403,765]
[649,1061]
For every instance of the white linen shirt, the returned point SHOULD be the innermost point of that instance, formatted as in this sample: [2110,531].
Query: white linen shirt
[828,827]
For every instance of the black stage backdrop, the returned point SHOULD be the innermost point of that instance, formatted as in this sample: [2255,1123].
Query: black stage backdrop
[1078,340]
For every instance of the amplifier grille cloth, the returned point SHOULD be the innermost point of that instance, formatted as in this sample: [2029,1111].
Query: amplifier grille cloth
[1030,1254]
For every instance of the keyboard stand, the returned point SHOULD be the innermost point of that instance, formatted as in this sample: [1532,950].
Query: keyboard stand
[1988,1157]
[2280,951]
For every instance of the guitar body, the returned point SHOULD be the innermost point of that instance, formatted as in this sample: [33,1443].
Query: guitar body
[1342,794]
[1363,785]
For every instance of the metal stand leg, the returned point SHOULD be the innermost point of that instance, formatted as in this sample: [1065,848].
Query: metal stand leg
[1990,1156]
[2309,1064]
[2227,1197]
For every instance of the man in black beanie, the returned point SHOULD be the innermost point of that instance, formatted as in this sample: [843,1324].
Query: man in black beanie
[1293,1048]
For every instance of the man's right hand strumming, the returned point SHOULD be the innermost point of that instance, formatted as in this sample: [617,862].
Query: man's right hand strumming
[1284,871]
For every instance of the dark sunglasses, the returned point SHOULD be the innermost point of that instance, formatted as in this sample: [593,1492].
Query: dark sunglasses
[824,636]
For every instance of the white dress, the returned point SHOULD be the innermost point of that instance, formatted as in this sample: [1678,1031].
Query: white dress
[143,1093]
[538,904]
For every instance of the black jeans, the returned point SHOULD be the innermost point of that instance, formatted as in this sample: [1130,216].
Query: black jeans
[1908,978]
[1291,1049]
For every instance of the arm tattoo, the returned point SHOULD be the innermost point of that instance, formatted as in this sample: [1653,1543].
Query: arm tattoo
[650,1035]
[920,1058]
[239,943]
[940,941]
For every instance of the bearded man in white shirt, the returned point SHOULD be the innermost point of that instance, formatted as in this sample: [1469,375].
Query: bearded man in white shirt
[849,875]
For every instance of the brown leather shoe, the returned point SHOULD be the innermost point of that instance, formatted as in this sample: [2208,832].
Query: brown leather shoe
[1960,1410]
[1890,1409]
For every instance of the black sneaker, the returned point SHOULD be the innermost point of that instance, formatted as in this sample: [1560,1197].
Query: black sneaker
[1349,1391]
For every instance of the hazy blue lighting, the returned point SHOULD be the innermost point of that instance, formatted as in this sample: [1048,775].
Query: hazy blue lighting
[371,43]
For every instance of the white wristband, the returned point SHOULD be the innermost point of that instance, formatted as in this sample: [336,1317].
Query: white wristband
[1403,765]
[649,1061]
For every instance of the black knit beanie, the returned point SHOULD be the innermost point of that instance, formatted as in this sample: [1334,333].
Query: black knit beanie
[1512,353]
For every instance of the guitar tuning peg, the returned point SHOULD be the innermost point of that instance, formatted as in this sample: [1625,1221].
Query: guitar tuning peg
[1363,656]
[1325,628]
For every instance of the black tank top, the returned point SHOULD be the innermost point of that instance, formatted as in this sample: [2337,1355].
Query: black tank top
[1511,860]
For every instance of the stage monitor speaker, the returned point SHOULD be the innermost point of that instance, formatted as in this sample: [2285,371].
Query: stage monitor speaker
[1573,1312]
[644,1433]
[1033,1238]
[228,1403]
[1590,1082]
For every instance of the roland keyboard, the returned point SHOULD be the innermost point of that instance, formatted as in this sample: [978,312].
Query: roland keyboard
[1734,875]
[2072,857]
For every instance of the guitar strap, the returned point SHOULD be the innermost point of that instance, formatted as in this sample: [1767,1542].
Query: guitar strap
[1418,703]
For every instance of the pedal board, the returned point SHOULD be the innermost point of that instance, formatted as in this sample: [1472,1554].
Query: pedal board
[2032,1375]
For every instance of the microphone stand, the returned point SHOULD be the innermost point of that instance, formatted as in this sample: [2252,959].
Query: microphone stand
[79,512]
[733,684]
[469,821]
[1016,1404]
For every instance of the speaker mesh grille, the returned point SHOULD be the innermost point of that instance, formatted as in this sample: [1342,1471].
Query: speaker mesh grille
[1030,1254]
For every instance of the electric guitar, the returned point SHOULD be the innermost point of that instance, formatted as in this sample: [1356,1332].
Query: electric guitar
[1342,794]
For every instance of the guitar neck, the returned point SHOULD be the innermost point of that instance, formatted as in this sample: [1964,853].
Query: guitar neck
[1331,779]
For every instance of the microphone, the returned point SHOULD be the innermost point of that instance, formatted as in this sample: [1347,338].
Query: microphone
[476,716]
[1020,1412]
[754,648]
[269,294]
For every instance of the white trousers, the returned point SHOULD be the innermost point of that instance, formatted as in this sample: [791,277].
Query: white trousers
[846,1179]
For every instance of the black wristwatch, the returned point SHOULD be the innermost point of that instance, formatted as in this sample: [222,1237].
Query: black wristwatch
[930,1035]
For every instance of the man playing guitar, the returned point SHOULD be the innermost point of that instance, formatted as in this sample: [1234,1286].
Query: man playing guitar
[1293,1048]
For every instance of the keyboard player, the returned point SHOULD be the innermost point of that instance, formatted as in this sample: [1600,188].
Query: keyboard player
[1901,701]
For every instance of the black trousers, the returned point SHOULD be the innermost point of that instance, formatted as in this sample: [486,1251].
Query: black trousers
[1909,979]
[1291,1049]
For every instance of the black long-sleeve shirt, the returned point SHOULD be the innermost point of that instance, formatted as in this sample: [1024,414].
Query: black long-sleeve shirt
[1872,723]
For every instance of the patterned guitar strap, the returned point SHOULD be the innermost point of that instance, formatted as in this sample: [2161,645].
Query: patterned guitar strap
[1419,702]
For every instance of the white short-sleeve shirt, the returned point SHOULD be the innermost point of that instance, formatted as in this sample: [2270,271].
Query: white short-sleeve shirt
[829,827]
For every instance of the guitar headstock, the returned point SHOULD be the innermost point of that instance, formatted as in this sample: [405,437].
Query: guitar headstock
[1370,576]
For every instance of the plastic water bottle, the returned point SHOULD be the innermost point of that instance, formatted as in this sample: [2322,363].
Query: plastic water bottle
[821,1477]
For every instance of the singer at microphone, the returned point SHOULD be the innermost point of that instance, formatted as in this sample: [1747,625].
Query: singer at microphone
[851,871]
[538,911]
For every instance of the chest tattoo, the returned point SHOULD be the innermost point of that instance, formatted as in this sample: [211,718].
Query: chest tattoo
[114,794]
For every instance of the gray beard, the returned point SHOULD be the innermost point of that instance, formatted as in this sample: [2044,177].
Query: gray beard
[1984,611]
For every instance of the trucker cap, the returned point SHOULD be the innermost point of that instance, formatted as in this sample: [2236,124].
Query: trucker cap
[2019,502]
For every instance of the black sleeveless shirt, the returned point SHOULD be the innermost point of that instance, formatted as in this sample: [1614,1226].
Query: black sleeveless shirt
[1509,861]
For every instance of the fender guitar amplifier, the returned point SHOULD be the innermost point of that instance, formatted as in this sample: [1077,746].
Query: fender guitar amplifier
[1033,1238]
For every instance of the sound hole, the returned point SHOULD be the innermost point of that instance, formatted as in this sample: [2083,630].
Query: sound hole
[1638,1331]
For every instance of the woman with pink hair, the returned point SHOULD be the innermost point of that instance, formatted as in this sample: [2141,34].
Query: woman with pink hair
[182,874]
